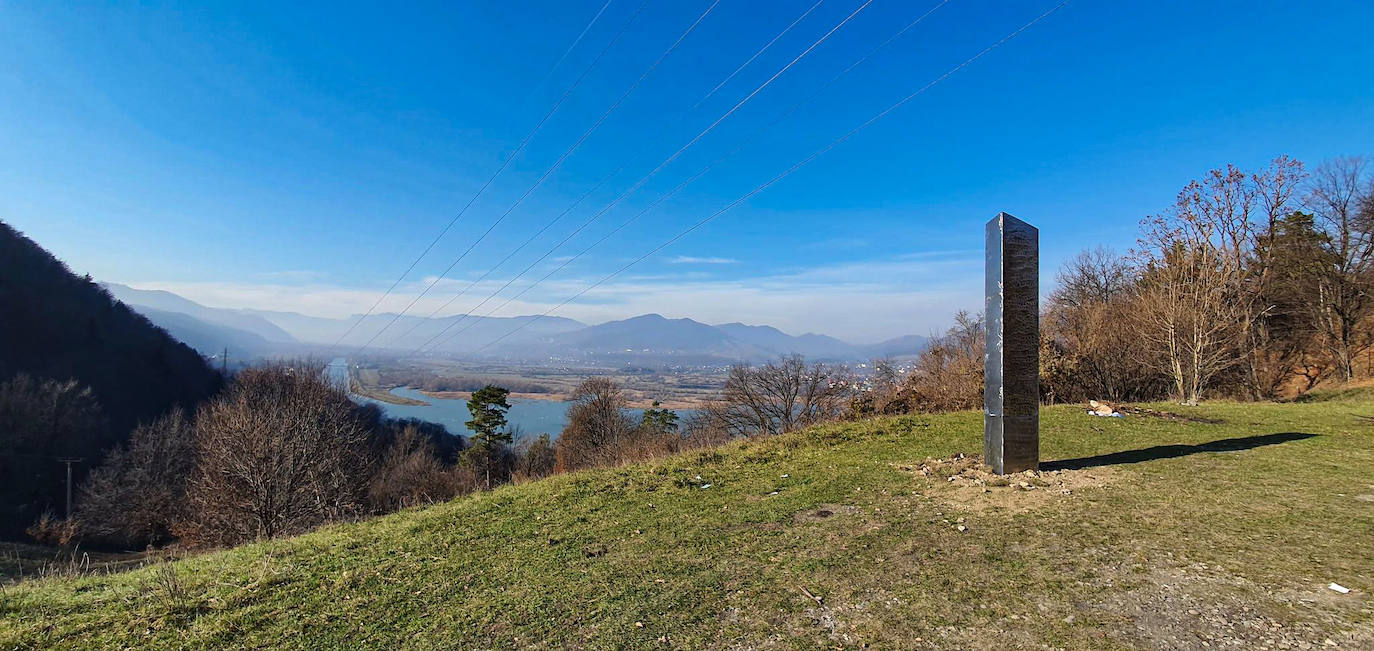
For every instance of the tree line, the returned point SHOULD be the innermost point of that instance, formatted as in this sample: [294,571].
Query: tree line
[1252,285]
[279,451]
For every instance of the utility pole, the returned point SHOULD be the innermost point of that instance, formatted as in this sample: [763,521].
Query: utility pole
[224,362]
[69,461]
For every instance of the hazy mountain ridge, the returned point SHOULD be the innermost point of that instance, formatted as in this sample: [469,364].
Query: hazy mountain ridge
[209,338]
[451,334]
[164,301]
[654,338]
[648,338]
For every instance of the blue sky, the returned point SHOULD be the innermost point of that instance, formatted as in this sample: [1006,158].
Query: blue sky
[298,156]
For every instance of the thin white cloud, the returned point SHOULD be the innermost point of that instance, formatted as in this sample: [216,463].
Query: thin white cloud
[690,259]
[294,275]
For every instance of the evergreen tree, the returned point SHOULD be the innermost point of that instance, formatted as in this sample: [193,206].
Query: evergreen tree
[660,421]
[490,436]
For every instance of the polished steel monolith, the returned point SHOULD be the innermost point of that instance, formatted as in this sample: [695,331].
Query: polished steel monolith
[1011,363]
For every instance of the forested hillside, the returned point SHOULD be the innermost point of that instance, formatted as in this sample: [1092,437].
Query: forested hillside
[78,370]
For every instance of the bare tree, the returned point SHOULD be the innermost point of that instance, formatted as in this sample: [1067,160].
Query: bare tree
[40,421]
[1191,302]
[1342,200]
[597,425]
[1093,277]
[782,396]
[1087,352]
[48,417]
[282,451]
[537,457]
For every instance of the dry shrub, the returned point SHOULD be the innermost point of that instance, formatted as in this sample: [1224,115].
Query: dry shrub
[536,458]
[948,375]
[281,452]
[465,479]
[702,430]
[137,495]
[600,431]
[51,530]
[410,474]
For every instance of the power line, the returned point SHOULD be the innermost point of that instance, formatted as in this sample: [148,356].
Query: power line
[782,116]
[681,117]
[541,231]
[813,156]
[568,51]
[750,60]
[638,184]
[505,163]
[543,177]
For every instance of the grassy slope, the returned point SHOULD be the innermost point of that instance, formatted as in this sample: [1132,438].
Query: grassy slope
[643,555]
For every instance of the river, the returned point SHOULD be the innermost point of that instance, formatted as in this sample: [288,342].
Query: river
[531,417]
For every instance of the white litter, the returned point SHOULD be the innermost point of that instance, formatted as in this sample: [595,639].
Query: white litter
[1339,588]
[786,476]
[705,486]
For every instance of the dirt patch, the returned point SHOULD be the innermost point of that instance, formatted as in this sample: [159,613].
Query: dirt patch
[823,512]
[965,481]
[1200,606]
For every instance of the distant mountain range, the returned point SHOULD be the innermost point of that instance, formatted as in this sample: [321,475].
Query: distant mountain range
[649,339]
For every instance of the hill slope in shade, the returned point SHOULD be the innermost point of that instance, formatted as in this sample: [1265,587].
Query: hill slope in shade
[167,302]
[828,537]
[54,324]
[211,339]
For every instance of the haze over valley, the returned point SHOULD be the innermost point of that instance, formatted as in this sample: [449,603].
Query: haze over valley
[646,340]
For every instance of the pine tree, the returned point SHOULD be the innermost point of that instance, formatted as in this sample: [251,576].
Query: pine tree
[488,407]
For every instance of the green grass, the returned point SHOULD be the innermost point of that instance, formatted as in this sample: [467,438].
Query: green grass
[645,556]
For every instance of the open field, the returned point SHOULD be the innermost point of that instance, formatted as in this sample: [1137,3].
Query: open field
[1145,532]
